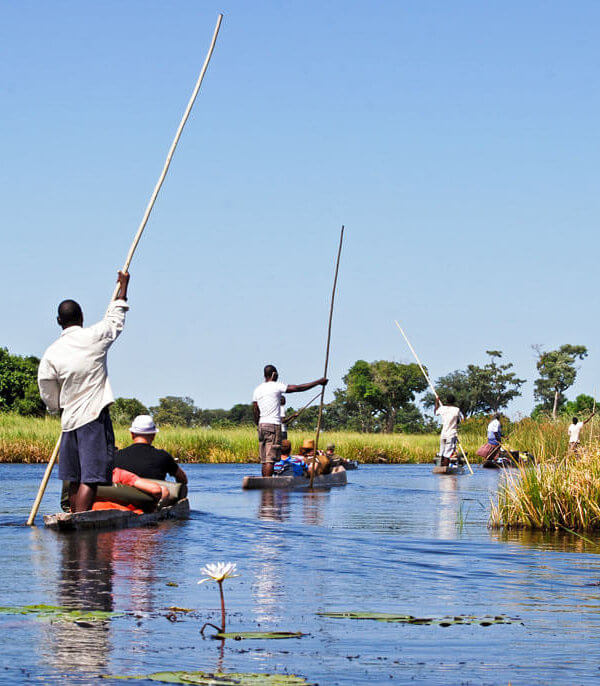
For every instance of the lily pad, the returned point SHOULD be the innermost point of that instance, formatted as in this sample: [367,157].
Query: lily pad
[58,613]
[220,679]
[240,635]
[172,583]
[409,619]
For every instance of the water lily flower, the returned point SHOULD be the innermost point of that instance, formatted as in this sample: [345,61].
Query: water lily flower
[219,571]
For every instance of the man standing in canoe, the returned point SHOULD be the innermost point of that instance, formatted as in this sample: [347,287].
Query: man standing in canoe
[451,416]
[266,405]
[73,377]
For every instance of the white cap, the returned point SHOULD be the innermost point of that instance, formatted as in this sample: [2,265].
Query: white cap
[143,424]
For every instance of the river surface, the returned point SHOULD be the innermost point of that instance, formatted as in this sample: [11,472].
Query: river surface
[395,539]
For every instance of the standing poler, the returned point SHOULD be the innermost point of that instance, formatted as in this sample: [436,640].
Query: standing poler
[266,405]
[451,416]
[73,377]
[574,432]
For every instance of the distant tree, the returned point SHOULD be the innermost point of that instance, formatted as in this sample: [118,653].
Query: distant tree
[493,386]
[18,384]
[582,405]
[241,414]
[458,384]
[557,373]
[480,390]
[124,410]
[175,411]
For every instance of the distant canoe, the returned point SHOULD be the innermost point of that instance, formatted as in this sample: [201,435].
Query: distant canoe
[336,478]
[115,519]
[453,468]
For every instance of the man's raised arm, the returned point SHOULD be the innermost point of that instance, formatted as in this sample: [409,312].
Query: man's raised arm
[306,386]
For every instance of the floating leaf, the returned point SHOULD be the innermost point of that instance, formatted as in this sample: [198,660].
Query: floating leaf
[172,583]
[57,613]
[220,679]
[409,619]
[239,635]
[179,609]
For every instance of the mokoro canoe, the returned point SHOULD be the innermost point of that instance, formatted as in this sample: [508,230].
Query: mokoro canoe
[336,478]
[115,519]
[453,468]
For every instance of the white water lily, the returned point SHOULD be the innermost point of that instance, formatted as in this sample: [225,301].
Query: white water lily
[219,571]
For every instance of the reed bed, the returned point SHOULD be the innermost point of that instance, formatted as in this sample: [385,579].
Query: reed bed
[27,439]
[562,494]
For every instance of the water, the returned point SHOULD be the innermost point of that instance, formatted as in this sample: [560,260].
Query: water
[396,539]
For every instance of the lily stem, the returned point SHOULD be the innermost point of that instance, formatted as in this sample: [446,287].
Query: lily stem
[222,606]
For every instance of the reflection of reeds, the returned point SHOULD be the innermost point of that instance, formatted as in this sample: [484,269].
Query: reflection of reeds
[553,494]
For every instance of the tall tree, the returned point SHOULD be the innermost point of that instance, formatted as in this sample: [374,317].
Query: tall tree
[174,410]
[480,390]
[124,410]
[18,384]
[557,373]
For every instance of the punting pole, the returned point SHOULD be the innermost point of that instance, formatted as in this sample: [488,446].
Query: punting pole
[138,235]
[431,386]
[337,266]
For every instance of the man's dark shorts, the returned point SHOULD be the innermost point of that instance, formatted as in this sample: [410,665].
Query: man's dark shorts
[87,453]
[269,442]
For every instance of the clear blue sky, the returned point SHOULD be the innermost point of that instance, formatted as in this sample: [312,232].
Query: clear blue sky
[457,141]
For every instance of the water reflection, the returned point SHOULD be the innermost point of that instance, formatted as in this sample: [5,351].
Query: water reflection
[274,505]
[448,506]
[85,583]
[562,541]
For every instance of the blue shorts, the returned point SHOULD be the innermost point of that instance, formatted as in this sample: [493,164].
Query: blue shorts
[87,453]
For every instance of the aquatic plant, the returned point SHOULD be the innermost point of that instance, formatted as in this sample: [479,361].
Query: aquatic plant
[219,678]
[389,618]
[553,494]
[58,613]
[218,572]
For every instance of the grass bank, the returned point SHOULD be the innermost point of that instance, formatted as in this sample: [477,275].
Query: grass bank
[24,439]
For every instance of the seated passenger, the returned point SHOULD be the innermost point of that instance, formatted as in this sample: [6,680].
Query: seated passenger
[143,460]
[320,465]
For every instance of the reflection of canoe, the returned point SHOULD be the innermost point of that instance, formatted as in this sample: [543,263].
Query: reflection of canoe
[336,478]
[115,519]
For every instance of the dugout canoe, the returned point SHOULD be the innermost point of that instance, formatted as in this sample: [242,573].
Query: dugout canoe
[337,477]
[454,468]
[115,519]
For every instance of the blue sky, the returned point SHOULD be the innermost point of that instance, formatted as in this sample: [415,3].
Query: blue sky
[457,141]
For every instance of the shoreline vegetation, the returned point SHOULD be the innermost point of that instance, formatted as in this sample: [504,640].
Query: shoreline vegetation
[31,440]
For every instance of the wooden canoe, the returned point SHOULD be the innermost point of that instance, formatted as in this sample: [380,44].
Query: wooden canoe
[115,519]
[336,478]
[454,469]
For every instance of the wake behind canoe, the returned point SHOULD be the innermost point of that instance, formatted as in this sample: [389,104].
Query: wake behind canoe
[336,478]
[115,519]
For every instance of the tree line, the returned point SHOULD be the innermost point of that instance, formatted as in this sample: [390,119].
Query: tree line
[379,396]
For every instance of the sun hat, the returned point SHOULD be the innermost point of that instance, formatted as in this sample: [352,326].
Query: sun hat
[143,424]
[331,446]
[308,444]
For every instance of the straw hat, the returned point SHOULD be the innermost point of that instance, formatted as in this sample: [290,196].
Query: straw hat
[308,444]
[143,424]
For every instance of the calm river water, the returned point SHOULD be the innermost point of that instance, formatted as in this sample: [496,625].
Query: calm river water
[396,539]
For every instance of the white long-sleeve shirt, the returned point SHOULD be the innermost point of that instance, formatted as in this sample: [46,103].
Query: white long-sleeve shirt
[73,374]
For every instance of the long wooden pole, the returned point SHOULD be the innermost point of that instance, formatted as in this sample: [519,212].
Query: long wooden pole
[337,266]
[138,235]
[432,387]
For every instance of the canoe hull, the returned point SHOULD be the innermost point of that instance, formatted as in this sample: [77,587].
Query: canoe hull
[336,478]
[115,519]
[448,470]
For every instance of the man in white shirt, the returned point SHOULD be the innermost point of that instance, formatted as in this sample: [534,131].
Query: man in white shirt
[574,432]
[266,405]
[451,416]
[73,377]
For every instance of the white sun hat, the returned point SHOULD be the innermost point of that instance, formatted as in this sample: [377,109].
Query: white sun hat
[143,424]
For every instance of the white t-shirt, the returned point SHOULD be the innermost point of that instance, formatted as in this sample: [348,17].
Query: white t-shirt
[574,431]
[268,396]
[494,426]
[450,418]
